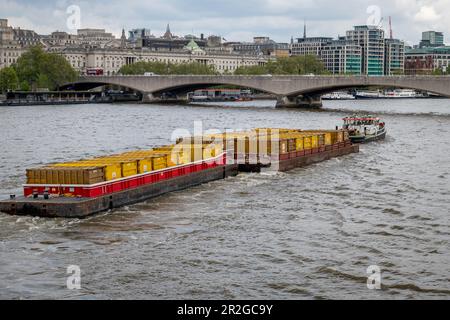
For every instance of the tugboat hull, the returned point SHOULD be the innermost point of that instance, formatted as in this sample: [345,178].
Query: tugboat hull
[367,139]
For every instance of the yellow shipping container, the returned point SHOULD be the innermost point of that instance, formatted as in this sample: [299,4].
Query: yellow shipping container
[60,175]
[112,171]
[192,153]
[328,139]
[144,166]
[165,148]
[115,167]
[265,145]
[173,157]
[314,142]
[321,140]
[212,150]
[307,143]
[129,168]
[185,157]
[299,143]
[159,162]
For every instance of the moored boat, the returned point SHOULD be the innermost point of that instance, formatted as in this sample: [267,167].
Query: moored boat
[339,95]
[389,94]
[365,129]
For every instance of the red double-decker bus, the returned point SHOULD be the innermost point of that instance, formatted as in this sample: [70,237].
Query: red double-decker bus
[94,72]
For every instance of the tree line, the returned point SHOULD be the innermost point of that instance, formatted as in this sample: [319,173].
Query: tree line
[296,65]
[37,69]
[282,66]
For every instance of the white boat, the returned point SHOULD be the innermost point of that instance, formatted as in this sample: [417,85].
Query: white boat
[368,95]
[339,95]
[402,94]
[389,94]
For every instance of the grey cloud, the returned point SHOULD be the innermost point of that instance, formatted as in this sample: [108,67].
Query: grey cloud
[276,18]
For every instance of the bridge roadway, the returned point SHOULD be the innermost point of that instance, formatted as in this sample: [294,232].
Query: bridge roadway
[292,91]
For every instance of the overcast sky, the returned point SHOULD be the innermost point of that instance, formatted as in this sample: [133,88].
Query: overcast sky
[235,20]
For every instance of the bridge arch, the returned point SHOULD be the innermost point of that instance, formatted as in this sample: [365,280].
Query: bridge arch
[322,90]
[89,85]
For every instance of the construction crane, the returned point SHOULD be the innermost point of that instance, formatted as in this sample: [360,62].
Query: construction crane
[391,35]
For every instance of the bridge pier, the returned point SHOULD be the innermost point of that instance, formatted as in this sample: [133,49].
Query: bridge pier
[302,101]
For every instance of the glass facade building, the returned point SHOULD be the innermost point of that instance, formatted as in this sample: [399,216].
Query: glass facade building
[372,42]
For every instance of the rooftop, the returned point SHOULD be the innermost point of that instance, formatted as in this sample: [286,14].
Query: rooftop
[437,50]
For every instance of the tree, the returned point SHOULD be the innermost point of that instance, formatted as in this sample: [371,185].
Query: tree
[8,79]
[287,66]
[24,86]
[441,72]
[44,70]
[251,70]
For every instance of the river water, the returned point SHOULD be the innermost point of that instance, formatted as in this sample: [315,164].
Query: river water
[310,233]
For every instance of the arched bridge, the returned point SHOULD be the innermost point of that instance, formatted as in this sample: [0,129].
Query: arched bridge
[290,90]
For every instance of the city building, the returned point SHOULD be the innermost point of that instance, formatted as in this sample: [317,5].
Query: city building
[432,39]
[10,48]
[6,31]
[372,42]
[170,42]
[110,60]
[98,49]
[260,46]
[61,39]
[338,56]
[424,61]
[26,38]
[341,57]
[394,57]
[137,34]
[214,41]
[363,50]
[97,38]
[309,46]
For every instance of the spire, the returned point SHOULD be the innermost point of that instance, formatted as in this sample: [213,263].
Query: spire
[123,39]
[304,31]
[168,34]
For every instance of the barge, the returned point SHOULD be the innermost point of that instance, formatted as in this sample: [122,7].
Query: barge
[86,187]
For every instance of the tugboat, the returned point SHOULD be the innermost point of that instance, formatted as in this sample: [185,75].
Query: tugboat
[365,129]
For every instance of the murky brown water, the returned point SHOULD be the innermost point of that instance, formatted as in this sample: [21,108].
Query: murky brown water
[310,233]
